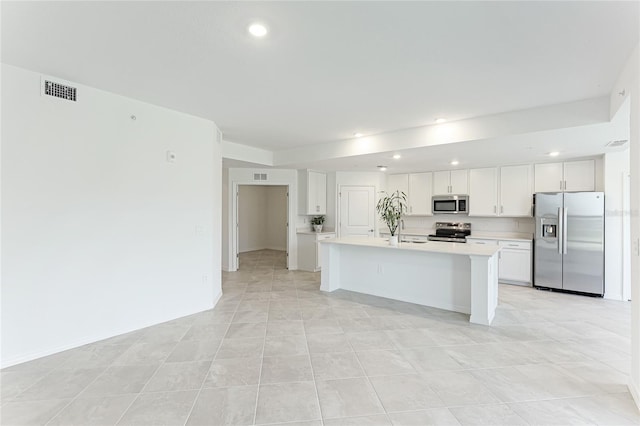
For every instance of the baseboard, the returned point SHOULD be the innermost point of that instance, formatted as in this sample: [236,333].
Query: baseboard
[4,363]
[634,391]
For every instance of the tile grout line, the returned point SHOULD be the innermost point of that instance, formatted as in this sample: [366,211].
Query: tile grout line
[313,374]
[195,400]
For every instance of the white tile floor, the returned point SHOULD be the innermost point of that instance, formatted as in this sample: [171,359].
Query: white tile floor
[276,350]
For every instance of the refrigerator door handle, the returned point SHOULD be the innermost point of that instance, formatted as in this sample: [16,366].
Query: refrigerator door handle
[560,236]
[564,230]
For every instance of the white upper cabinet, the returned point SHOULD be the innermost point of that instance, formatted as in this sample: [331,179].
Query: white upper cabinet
[312,192]
[417,188]
[459,182]
[500,192]
[483,192]
[580,175]
[420,193]
[568,176]
[450,182]
[516,184]
[549,177]
[398,182]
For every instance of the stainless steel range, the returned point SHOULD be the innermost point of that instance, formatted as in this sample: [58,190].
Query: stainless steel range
[455,232]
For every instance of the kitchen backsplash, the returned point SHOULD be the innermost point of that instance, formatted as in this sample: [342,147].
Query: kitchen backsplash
[484,224]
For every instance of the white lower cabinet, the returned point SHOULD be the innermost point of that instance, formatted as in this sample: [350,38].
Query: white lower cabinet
[309,249]
[514,264]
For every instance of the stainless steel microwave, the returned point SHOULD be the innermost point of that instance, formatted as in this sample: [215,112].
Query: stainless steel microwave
[450,204]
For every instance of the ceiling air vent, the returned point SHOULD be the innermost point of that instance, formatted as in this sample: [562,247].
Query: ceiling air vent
[51,88]
[259,176]
[619,142]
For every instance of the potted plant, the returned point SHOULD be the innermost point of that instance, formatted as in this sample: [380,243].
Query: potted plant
[317,222]
[391,208]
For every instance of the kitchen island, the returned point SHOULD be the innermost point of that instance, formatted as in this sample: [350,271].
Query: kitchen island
[453,276]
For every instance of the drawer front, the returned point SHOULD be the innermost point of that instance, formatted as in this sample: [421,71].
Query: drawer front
[521,245]
[482,241]
[325,236]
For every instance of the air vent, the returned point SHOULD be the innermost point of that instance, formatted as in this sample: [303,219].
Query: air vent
[259,176]
[619,142]
[51,88]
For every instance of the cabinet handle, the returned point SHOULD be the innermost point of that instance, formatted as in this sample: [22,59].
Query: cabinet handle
[501,209]
[480,242]
[512,245]
[560,185]
[565,185]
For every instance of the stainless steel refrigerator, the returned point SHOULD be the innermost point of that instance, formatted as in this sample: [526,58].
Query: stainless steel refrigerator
[569,241]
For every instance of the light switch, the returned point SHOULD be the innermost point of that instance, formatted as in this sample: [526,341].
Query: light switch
[171,157]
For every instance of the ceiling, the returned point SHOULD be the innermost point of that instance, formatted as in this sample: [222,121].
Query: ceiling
[329,69]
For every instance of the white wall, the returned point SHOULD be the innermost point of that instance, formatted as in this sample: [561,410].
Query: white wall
[252,231]
[225,228]
[276,210]
[101,235]
[628,83]
[634,384]
[617,259]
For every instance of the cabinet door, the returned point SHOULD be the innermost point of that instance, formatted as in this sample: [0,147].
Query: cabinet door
[420,185]
[317,193]
[579,176]
[459,182]
[515,265]
[483,192]
[515,191]
[398,183]
[548,177]
[441,183]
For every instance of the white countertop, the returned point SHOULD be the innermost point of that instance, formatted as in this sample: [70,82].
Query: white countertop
[429,246]
[300,231]
[514,236]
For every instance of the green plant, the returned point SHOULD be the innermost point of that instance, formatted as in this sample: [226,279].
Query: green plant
[317,220]
[391,208]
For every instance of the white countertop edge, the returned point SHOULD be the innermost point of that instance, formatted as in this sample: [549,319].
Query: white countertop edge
[429,247]
[512,236]
[315,233]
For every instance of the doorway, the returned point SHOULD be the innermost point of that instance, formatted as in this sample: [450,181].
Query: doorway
[261,225]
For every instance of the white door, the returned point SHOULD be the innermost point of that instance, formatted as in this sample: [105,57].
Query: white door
[357,211]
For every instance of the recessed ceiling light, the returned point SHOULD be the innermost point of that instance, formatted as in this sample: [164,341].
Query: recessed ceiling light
[455,162]
[440,120]
[397,156]
[554,154]
[257,30]
[382,168]
[357,135]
